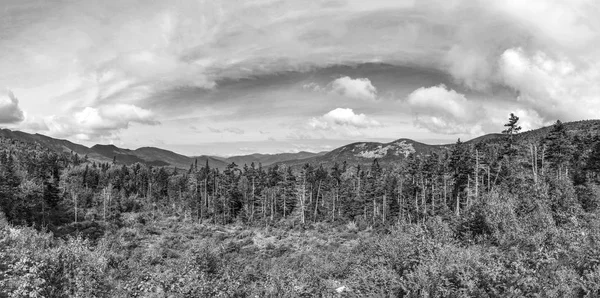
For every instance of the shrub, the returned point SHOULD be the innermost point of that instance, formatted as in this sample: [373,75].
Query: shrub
[351,226]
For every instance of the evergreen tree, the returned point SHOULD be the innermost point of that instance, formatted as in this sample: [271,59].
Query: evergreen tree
[461,165]
[559,149]
[512,129]
[593,160]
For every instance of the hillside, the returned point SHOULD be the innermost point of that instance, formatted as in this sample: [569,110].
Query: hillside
[355,153]
[57,145]
[106,153]
[492,234]
[269,159]
[366,152]
[580,128]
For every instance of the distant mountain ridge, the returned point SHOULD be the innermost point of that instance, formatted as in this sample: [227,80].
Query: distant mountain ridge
[269,159]
[149,155]
[106,153]
[355,153]
[366,152]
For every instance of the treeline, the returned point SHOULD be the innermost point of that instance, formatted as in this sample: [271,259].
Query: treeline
[509,217]
[46,189]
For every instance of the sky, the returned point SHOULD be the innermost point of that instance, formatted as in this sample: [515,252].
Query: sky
[238,77]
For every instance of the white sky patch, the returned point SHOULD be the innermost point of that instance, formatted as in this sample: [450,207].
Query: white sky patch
[359,88]
[442,110]
[10,112]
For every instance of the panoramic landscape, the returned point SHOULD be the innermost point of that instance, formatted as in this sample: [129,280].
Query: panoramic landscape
[271,148]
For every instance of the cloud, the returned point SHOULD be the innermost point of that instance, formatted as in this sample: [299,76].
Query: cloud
[342,117]
[554,87]
[113,117]
[137,52]
[10,112]
[312,86]
[359,88]
[233,130]
[106,122]
[442,110]
[340,121]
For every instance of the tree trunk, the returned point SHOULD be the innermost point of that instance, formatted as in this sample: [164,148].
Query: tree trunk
[445,193]
[476,174]
[433,197]
[468,190]
[74,195]
[303,198]
[423,196]
[384,205]
[317,201]
[457,204]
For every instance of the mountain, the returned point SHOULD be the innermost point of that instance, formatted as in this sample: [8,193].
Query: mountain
[492,137]
[148,155]
[580,128]
[126,156]
[269,159]
[57,145]
[155,157]
[106,153]
[355,153]
[366,152]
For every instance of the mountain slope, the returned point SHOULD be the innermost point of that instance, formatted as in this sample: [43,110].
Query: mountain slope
[355,153]
[155,157]
[106,153]
[269,159]
[57,145]
[365,152]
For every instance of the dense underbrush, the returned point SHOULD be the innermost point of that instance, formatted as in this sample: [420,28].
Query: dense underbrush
[491,252]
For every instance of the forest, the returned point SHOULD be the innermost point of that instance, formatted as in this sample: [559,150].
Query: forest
[512,216]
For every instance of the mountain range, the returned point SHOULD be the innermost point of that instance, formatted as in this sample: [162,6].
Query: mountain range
[355,153]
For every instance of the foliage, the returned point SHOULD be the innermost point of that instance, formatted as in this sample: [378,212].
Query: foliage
[512,219]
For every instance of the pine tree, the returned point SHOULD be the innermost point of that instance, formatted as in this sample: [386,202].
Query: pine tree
[512,129]
[559,149]
[593,160]
[461,165]
[9,183]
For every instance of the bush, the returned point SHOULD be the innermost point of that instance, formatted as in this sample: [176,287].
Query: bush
[589,197]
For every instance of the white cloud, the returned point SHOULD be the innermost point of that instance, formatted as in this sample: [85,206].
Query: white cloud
[102,123]
[342,117]
[497,116]
[442,110]
[554,87]
[113,117]
[233,130]
[469,67]
[10,112]
[340,121]
[312,86]
[359,88]
[133,52]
